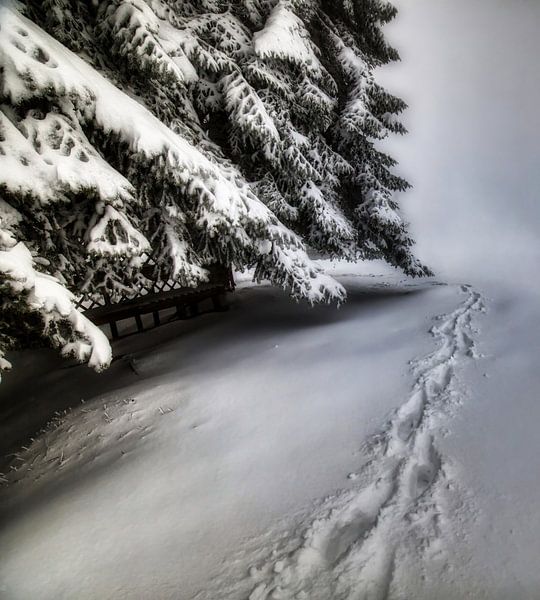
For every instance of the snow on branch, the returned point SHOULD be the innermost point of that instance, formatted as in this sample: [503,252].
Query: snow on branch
[249,115]
[284,37]
[46,155]
[295,271]
[111,233]
[44,295]
[137,32]
[332,227]
[357,118]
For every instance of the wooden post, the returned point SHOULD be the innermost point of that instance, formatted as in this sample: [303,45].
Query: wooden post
[114,330]
[138,320]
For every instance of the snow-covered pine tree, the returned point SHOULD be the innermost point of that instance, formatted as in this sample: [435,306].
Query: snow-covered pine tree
[184,133]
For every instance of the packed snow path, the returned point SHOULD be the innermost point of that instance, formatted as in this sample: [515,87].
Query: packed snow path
[235,456]
[348,550]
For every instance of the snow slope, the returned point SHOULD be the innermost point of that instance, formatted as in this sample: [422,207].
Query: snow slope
[271,452]
[362,539]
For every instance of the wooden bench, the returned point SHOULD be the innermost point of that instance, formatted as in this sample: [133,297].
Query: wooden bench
[185,300]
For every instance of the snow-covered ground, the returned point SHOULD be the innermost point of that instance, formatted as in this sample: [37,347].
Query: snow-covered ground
[383,450]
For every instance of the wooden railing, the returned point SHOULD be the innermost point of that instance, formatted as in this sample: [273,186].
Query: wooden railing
[157,297]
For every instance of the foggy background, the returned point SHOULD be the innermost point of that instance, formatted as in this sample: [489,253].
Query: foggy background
[470,75]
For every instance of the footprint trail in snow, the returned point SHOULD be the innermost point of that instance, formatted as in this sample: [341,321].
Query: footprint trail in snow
[350,549]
